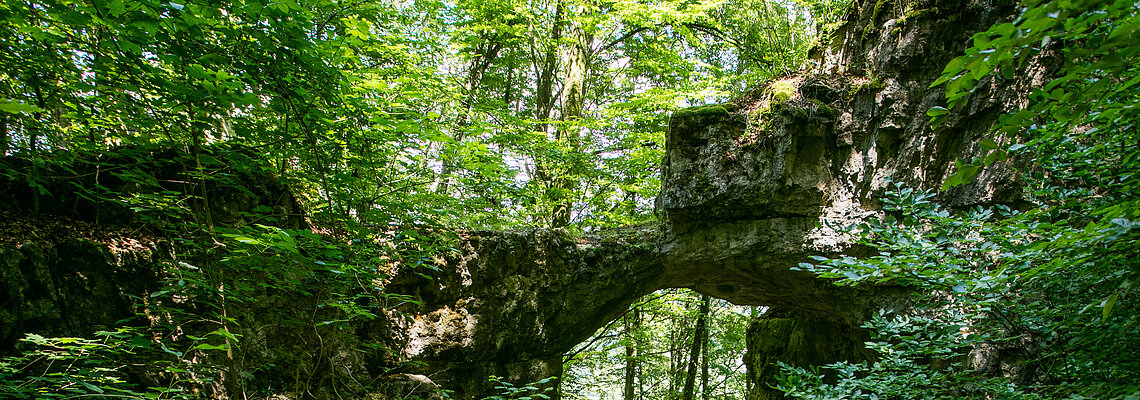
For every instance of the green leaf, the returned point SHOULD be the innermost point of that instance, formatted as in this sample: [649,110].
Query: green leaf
[224,333]
[91,387]
[207,346]
[995,156]
[16,107]
[246,239]
[937,111]
[964,174]
[988,144]
[161,389]
[169,351]
[1108,304]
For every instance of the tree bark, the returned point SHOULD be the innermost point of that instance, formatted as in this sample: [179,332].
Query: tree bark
[688,393]
[3,135]
[753,313]
[573,102]
[545,63]
[632,325]
[676,346]
[705,308]
[196,136]
[546,67]
[33,146]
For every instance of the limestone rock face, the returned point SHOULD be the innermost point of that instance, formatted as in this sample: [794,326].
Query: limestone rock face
[71,288]
[827,153]
[753,187]
[712,173]
[781,335]
[847,129]
[510,304]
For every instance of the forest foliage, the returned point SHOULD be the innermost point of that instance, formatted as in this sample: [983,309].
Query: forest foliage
[505,113]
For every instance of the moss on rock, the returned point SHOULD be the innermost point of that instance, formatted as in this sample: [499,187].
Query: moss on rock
[881,7]
[780,91]
[701,111]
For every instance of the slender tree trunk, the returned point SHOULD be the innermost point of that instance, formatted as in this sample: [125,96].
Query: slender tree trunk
[545,63]
[546,68]
[3,135]
[753,312]
[196,151]
[705,321]
[632,326]
[573,102]
[33,147]
[676,349]
[324,170]
[688,393]
[509,90]
[97,77]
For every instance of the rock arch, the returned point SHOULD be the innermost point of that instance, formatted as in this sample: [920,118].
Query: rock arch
[750,189]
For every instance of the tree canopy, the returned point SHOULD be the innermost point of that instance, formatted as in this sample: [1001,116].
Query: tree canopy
[482,114]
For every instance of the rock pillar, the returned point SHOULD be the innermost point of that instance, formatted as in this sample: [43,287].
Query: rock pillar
[798,339]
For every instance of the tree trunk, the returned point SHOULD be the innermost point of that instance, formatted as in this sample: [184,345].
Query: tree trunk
[200,172]
[33,147]
[545,64]
[3,135]
[632,326]
[546,67]
[573,102]
[688,393]
[753,312]
[704,323]
[676,337]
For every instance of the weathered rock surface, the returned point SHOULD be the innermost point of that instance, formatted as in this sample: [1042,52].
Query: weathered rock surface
[795,338]
[876,76]
[70,288]
[511,304]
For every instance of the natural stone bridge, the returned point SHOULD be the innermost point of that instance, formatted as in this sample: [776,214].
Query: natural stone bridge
[750,189]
